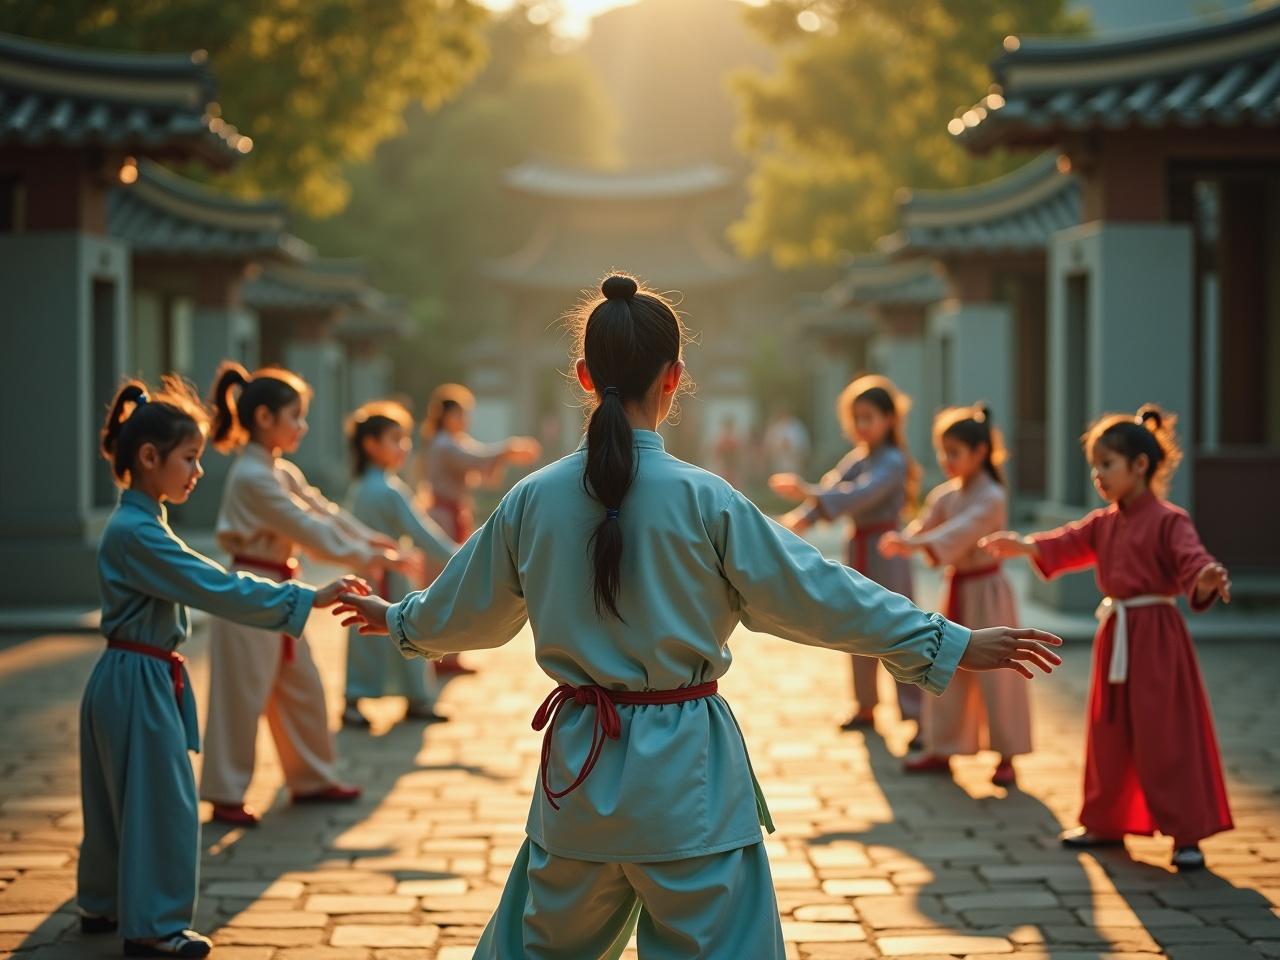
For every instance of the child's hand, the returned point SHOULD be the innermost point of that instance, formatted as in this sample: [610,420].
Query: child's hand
[523,451]
[788,485]
[330,593]
[386,560]
[797,521]
[367,614]
[1213,579]
[892,544]
[1008,648]
[1006,543]
[382,542]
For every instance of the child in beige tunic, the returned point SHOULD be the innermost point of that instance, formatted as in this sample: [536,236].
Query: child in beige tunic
[268,512]
[977,711]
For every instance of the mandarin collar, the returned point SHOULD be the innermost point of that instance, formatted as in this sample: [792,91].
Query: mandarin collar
[1140,503]
[258,452]
[136,498]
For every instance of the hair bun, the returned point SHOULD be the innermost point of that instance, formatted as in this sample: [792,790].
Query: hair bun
[618,288]
[982,412]
[1149,415]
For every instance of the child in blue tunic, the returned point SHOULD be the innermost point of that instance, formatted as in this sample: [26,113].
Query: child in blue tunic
[140,855]
[381,436]
[633,569]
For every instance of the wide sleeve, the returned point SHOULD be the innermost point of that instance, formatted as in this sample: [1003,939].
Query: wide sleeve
[161,565]
[1068,548]
[403,520]
[785,587]
[317,531]
[931,514]
[947,541]
[321,504]
[1188,557]
[880,479]
[476,603]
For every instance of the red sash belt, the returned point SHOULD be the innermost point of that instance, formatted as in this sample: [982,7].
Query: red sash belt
[459,513]
[608,724]
[862,542]
[282,571]
[951,607]
[175,660]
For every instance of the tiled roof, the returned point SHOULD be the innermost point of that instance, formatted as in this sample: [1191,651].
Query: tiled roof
[1016,212]
[323,285]
[874,279]
[1221,73]
[148,104]
[162,212]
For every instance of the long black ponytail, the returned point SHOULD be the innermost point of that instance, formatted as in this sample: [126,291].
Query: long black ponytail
[628,339]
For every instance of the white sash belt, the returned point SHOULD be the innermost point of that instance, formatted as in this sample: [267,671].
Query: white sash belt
[1111,607]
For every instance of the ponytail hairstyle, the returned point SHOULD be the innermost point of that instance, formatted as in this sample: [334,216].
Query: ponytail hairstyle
[972,427]
[237,395]
[444,400]
[138,415]
[628,337]
[371,421]
[1150,431]
[881,393]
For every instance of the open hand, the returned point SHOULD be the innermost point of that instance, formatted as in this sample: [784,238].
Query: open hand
[797,521]
[523,451]
[1006,544]
[382,542]
[1213,579]
[367,614]
[330,593]
[788,485]
[892,544]
[1011,648]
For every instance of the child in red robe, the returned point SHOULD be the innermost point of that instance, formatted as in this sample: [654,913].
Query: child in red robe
[1151,757]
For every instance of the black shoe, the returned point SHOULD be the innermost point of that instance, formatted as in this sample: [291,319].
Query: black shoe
[352,717]
[184,943]
[1082,839]
[1188,858]
[91,924]
[859,721]
[424,714]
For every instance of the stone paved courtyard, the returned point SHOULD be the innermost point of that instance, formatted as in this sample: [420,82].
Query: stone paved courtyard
[867,862]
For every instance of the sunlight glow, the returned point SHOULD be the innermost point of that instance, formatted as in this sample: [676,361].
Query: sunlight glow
[571,19]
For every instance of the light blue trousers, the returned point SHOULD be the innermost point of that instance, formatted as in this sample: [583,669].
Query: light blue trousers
[718,907]
[139,860]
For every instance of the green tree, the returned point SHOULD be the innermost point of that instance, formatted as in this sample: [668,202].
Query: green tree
[317,84]
[430,208]
[858,108]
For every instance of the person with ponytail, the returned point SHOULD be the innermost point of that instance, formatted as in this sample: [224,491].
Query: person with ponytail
[453,465]
[269,512]
[381,436]
[1151,756]
[989,711]
[633,568]
[870,488]
[137,872]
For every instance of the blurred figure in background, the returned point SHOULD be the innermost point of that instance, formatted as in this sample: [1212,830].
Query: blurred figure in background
[786,443]
[871,487]
[452,465]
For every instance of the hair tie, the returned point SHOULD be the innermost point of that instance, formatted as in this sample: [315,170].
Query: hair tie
[611,392]
[138,402]
[611,513]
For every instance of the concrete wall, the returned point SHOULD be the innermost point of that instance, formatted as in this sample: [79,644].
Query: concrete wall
[58,371]
[1120,334]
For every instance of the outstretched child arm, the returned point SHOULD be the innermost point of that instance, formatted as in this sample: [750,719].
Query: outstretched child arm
[1202,578]
[476,603]
[784,586]
[1064,550]
[406,521]
[163,566]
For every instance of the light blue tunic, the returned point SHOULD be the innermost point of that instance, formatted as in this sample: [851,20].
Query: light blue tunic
[698,559]
[383,502]
[140,854]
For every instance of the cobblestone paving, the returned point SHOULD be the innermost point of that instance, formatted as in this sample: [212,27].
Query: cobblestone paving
[867,862]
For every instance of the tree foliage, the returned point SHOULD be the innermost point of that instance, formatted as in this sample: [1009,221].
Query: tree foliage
[317,84]
[857,108]
[430,208]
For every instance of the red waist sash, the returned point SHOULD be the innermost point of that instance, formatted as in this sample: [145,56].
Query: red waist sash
[281,571]
[608,724]
[862,542]
[459,513]
[175,661]
[951,607]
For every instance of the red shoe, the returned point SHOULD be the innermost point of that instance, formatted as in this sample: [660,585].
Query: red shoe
[338,793]
[237,814]
[1004,775]
[929,763]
